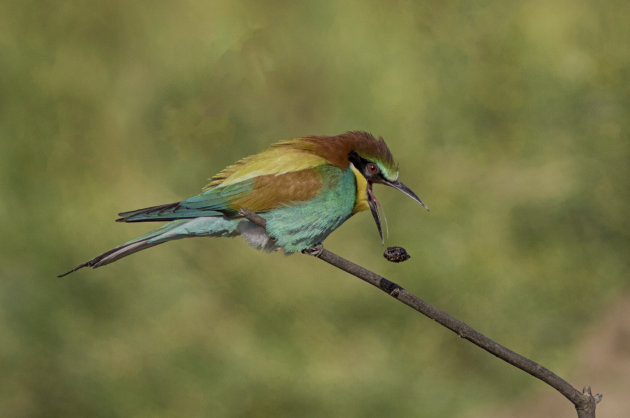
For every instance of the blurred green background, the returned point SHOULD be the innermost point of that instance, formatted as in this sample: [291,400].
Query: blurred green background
[510,119]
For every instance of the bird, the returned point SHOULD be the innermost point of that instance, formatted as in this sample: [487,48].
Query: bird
[302,188]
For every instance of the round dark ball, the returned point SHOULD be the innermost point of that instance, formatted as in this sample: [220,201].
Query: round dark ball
[396,254]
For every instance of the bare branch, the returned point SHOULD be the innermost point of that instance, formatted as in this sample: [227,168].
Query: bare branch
[584,402]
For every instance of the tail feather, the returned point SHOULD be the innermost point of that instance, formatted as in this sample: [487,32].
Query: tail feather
[114,254]
[153,213]
[167,212]
[182,228]
[146,241]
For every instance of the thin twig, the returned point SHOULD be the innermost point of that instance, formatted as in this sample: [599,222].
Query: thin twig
[584,402]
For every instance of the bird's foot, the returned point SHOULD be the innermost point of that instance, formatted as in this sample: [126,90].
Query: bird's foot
[316,250]
[253,217]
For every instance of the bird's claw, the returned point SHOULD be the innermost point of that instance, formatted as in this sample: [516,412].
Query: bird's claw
[316,250]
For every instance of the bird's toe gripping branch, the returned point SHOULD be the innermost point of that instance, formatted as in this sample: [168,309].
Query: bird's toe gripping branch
[316,250]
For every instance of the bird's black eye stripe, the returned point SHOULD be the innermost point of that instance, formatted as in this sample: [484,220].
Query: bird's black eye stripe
[357,161]
[368,168]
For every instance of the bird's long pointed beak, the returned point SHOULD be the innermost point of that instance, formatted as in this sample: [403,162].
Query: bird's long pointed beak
[406,190]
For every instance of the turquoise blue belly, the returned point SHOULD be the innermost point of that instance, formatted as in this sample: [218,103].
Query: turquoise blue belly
[305,224]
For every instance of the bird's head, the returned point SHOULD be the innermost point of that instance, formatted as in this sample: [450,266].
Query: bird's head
[372,159]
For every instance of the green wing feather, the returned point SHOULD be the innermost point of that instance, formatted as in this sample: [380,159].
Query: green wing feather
[238,184]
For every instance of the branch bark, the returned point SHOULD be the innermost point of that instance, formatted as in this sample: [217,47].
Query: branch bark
[585,402]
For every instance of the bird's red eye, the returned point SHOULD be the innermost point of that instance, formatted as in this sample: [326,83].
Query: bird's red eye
[372,168]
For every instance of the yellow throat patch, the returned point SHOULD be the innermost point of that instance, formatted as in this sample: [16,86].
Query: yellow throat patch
[361,202]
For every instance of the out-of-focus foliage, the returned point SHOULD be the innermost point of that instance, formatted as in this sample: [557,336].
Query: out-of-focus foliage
[510,119]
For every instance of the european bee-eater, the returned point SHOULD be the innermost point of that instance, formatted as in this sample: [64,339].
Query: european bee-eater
[303,188]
